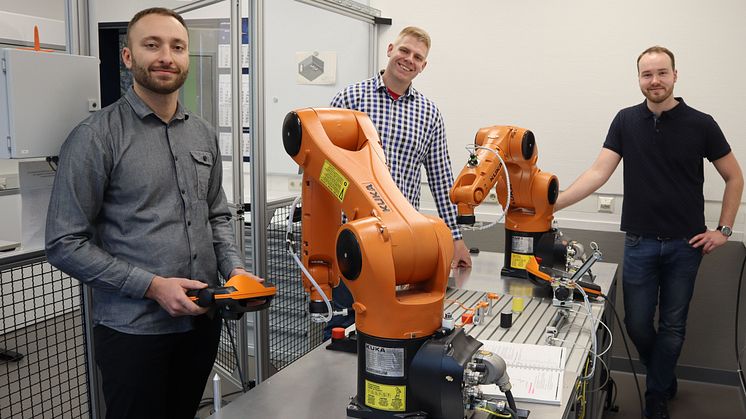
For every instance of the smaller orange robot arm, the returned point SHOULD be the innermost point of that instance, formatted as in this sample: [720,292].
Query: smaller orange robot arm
[528,193]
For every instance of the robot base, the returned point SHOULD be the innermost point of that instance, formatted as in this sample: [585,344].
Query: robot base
[358,410]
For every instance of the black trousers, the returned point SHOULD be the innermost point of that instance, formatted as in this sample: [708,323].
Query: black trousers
[156,376]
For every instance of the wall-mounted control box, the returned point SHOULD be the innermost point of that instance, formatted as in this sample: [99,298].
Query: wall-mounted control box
[43,96]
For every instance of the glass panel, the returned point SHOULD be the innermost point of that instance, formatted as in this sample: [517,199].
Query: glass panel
[208,88]
[208,92]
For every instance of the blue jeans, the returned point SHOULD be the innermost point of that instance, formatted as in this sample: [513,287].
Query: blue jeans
[341,298]
[658,272]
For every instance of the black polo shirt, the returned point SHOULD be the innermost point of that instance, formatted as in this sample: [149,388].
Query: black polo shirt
[663,162]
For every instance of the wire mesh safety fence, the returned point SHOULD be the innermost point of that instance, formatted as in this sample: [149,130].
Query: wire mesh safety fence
[43,369]
[43,356]
[291,332]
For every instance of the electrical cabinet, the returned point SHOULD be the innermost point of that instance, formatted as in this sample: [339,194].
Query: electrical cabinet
[43,96]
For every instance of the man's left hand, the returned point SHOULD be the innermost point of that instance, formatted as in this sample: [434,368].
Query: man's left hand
[708,241]
[461,256]
[242,271]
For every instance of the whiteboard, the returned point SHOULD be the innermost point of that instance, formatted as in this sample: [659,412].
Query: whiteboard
[564,69]
[292,27]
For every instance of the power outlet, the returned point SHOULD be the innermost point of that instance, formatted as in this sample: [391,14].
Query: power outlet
[606,204]
[294,184]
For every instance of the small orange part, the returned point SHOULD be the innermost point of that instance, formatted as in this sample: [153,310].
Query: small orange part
[37,44]
[358,307]
[467,318]
[338,333]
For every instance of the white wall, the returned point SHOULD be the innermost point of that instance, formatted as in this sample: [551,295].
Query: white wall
[122,11]
[293,27]
[50,9]
[563,70]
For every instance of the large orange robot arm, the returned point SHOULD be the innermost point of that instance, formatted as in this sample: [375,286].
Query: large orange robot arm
[394,260]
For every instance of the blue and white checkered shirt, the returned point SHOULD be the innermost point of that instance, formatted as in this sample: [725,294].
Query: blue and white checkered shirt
[413,134]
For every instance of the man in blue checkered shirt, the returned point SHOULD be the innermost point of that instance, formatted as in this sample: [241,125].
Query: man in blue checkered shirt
[412,134]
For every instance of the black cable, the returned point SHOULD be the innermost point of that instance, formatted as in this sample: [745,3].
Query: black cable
[513,411]
[511,400]
[606,380]
[610,402]
[52,159]
[629,354]
[738,307]
[235,353]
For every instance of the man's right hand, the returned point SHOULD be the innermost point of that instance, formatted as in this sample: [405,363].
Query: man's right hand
[170,293]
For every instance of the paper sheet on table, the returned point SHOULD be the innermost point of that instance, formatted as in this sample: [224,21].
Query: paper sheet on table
[35,181]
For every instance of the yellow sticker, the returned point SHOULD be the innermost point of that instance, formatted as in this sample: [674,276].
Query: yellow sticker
[519,261]
[334,180]
[385,397]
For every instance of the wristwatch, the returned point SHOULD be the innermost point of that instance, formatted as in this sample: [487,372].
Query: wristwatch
[727,231]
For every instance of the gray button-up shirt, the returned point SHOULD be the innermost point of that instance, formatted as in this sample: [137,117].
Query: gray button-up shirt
[135,197]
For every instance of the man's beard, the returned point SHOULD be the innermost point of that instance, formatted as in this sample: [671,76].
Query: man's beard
[143,78]
[657,99]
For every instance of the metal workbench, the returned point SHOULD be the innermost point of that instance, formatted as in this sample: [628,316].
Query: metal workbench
[320,384]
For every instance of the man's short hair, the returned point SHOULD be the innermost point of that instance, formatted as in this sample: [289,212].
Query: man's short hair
[153,11]
[418,33]
[659,50]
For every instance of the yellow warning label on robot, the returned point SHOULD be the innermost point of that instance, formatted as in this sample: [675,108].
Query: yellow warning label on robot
[385,397]
[334,180]
[519,261]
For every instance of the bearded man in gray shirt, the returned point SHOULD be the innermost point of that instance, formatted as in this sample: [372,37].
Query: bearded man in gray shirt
[138,214]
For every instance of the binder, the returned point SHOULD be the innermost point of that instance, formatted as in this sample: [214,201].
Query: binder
[536,371]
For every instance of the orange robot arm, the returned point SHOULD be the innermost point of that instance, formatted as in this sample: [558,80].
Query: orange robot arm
[533,192]
[394,260]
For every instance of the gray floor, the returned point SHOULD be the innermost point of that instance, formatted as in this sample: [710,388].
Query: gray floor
[695,400]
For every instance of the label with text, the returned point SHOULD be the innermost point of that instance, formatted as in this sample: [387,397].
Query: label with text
[385,397]
[334,180]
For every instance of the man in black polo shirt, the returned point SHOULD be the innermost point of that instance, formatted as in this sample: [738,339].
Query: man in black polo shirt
[663,142]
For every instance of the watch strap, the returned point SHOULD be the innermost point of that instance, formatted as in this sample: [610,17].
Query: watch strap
[727,231]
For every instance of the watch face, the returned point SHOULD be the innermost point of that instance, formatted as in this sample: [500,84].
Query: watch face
[726,231]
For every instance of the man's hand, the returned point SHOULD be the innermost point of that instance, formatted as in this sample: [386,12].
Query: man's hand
[242,271]
[708,241]
[170,293]
[461,256]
